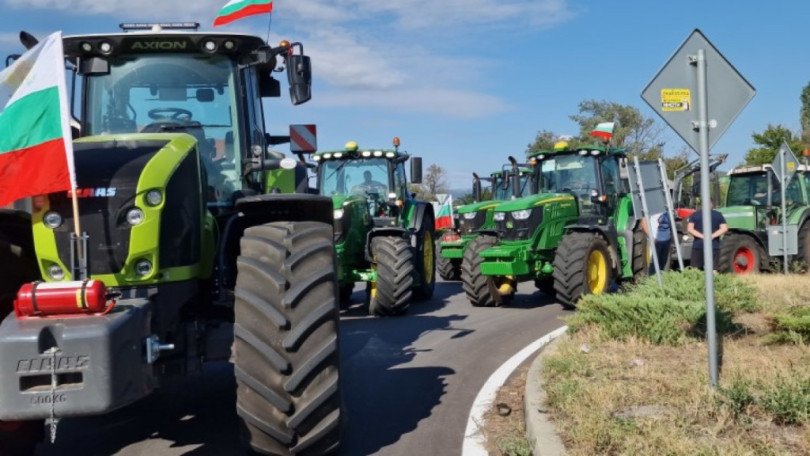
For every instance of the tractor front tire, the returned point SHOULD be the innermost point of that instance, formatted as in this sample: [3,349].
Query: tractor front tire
[425,258]
[448,268]
[481,290]
[391,294]
[582,266]
[804,246]
[285,339]
[739,254]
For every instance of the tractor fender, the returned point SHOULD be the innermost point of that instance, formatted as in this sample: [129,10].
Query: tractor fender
[606,231]
[256,210]
[408,235]
[421,211]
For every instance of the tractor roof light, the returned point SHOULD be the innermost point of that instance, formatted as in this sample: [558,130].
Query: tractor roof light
[327,156]
[210,46]
[229,45]
[366,153]
[395,142]
[284,44]
[351,146]
[378,153]
[86,47]
[317,158]
[105,47]
[583,152]
[390,154]
[337,155]
[595,152]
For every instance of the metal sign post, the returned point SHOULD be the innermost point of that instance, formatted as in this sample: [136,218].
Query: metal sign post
[698,68]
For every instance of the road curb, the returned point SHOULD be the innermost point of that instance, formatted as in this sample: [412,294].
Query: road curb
[539,427]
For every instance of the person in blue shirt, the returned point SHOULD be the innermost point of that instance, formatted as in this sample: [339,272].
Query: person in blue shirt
[695,228]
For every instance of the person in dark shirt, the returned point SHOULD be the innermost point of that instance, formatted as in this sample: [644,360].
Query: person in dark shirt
[695,228]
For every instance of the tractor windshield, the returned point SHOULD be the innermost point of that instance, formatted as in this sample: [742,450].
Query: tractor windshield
[503,190]
[181,93]
[568,173]
[362,176]
[761,189]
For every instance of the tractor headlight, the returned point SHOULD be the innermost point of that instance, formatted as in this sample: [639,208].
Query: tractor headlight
[52,219]
[469,215]
[143,268]
[135,216]
[338,214]
[154,197]
[56,272]
[499,216]
[521,215]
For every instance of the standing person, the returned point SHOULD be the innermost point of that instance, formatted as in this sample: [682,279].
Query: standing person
[660,229]
[695,228]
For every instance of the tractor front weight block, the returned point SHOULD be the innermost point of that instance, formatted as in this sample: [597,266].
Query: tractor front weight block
[74,366]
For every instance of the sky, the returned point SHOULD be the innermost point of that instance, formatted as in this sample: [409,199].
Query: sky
[465,83]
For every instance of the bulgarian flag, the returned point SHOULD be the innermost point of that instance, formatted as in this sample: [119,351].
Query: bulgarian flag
[36,148]
[444,213]
[604,131]
[238,9]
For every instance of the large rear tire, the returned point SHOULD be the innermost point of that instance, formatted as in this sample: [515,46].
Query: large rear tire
[391,294]
[740,254]
[581,266]
[481,290]
[804,246]
[642,256]
[448,268]
[286,344]
[20,438]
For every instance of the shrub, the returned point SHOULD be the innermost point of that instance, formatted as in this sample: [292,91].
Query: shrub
[791,326]
[788,400]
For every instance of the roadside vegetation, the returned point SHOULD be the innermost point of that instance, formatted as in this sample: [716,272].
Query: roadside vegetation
[632,377]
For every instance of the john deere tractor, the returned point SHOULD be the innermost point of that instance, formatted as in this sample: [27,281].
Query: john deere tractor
[188,233]
[383,235]
[753,208]
[575,235]
[477,216]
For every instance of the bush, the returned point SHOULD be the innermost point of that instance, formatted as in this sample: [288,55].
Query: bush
[791,326]
[668,315]
[788,400]
[738,396]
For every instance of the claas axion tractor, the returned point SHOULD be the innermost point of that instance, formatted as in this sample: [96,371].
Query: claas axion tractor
[383,235]
[476,216]
[576,234]
[188,231]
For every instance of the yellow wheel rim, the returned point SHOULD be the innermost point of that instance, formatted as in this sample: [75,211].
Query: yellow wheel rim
[597,272]
[427,257]
[372,291]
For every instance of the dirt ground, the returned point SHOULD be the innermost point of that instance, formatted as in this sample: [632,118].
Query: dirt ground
[504,425]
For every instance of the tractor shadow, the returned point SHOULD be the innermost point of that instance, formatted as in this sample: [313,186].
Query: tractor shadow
[384,396]
[196,416]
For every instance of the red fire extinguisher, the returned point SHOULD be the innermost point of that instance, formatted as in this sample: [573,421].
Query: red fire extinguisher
[40,299]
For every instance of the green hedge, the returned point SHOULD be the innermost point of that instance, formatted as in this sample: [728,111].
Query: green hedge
[668,315]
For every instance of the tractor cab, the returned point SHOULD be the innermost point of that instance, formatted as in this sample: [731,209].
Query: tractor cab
[754,197]
[376,176]
[163,79]
[591,174]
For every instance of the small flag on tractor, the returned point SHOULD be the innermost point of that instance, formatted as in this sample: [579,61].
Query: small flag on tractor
[604,131]
[240,9]
[444,212]
[36,148]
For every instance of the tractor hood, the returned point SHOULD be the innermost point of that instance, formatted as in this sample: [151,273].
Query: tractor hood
[475,207]
[529,202]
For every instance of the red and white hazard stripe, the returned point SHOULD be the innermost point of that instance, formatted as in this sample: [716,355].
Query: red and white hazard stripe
[303,138]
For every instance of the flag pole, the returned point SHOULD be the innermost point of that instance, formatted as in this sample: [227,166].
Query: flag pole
[269,26]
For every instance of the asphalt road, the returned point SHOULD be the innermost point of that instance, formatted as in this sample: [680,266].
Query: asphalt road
[408,384]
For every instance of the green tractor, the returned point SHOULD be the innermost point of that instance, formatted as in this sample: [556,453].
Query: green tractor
[187,228]
[477,216]
[753,207]
[383,235]
[575,235]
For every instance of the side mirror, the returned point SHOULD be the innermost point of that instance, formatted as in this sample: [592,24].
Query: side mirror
[11,59]
[476,188]
[416,170]
[299,75]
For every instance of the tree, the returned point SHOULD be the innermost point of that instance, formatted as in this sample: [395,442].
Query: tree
[434,182]
[769,142]
[639,135]
[804,114]
[544,141]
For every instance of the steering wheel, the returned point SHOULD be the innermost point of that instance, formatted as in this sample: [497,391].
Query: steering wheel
[171,113]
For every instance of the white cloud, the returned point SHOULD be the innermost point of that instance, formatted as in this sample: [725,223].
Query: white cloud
[448,102]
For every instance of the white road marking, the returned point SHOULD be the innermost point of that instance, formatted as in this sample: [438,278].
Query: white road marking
[473,437]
